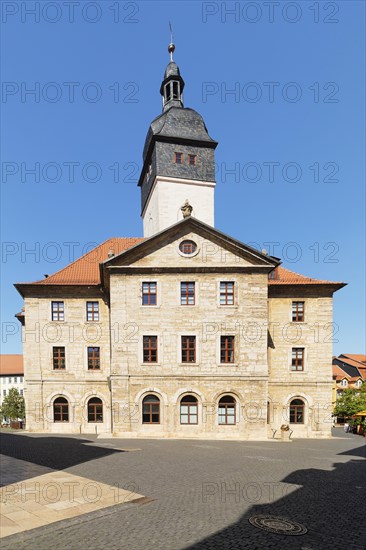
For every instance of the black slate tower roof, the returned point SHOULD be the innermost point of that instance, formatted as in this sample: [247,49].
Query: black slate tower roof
[178,128]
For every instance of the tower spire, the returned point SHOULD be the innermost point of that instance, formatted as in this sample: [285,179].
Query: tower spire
[171,46]
[172,86]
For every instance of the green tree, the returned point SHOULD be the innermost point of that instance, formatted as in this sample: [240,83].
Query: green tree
[351,402]
[13,406]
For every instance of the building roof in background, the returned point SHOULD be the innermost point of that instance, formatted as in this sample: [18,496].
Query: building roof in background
[11,364]
[358,357]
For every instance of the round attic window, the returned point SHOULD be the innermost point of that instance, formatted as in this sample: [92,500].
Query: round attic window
[187,247]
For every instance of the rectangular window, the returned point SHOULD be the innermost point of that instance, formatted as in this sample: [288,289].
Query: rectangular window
[10,380]
[187,294]
[188,349]
[93,358]
[15,379]
[92,311]
[21,392]
[189,413]
[149,294]
[226,293]
[150,350]
[175,90]
[297,363]
[298,312]
[57,311]
[59,358]
[178,158]
[4,393]
[227,349]
[192,160]
[21,379]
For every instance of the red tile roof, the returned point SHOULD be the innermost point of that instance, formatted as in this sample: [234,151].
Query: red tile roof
[284,276]
[339,373]
[355,357]
[85,270]
[11,364]
[351,362]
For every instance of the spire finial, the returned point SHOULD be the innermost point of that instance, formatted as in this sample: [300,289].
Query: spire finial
[171,46]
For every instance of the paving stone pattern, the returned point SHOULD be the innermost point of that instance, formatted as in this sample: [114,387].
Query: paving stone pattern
[203,493]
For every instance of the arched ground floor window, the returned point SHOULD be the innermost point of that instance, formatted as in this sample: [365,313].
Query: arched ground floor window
[227,413]
[95,410]
[297,408]
[60,410]
[151,410]
[189,410]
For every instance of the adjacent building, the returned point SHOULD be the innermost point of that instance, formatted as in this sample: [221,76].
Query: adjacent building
[185,332]
[11,374]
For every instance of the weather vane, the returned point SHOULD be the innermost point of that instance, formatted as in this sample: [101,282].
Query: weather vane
[171,46]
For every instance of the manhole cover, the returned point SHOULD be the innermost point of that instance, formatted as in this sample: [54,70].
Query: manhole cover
[281,526]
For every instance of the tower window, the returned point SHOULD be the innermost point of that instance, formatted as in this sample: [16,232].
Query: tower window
[178,158]
[168,93]
[175,90]
[192,160]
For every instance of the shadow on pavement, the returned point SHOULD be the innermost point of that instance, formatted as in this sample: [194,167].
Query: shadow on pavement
[56,453]
[330,504]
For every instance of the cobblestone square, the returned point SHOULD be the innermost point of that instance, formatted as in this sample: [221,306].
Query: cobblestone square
[192,494]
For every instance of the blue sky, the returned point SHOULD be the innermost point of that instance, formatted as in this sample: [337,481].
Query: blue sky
[290,160]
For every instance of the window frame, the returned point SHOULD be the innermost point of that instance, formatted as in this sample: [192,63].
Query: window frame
[226,406]
[188,349]
[57,312]
[294,411]
[226,350]
[178,154]
[297,367]
[149,349]
[189,405]
[193,157]
[150,404]
[295,313]
[93,312]
[92,411]
[149,293]
[227,294]
[63,404]
[57,359]
[92,358]
[188,242]
[186,295]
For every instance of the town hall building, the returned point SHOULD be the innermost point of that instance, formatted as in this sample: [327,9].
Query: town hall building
[184,332]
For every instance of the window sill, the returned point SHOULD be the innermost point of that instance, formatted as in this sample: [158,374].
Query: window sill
[228,365]
[150,364]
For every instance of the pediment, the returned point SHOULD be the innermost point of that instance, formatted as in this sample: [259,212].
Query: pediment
[214,250]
